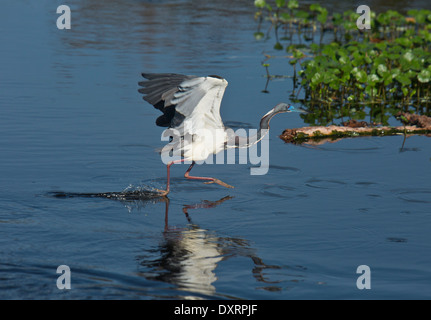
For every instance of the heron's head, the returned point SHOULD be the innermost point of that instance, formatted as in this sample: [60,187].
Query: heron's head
[283,107]
[279,108]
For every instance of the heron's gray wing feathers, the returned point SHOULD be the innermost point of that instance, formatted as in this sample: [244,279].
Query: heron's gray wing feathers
[191,109]
[180,97]
[159,86]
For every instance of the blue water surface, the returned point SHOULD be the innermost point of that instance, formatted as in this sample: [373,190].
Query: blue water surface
[72,120]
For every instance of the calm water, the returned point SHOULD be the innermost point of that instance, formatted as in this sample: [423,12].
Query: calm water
[71,120]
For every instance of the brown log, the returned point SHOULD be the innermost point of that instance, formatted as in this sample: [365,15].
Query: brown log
[414,124]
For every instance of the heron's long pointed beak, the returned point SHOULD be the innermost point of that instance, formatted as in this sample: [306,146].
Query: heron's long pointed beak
[300,109]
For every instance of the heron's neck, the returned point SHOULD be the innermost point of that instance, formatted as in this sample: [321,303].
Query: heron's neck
[246,142]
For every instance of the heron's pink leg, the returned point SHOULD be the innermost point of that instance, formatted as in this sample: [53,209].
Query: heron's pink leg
[209,179]
[168,183]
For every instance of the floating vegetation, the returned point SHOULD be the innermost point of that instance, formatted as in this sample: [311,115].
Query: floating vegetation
[412,124]
[342,72]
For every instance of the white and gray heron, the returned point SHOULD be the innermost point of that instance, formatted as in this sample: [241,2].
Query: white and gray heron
[191,106]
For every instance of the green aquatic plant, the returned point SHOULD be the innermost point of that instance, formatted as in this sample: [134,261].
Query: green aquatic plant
[376,72]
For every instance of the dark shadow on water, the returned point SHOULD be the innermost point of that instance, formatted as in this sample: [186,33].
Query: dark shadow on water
[131,199]
[122,195]
[239,125]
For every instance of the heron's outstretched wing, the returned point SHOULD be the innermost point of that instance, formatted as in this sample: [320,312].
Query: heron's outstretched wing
[181,97]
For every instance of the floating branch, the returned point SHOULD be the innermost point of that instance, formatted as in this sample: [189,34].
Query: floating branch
[414,124]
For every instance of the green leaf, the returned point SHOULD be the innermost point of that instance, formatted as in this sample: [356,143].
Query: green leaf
[329,51]
[403,119]
[372,54]
[405,42]
[370,90]
[393,56]
[382,69]
[323,16]
[259,35]
[381,46]
[328,77]
[337,18]
[280,3]
[260,4]
[373,78]
[301,14]
[284,16]
[315,7]
[317,78]
[347,68]
[343,59]
[298,54]
[411,74]
[314,47]
[335,84]
[292,4]
[387,79]
[360,75]
[403,79]
[278,46]
[409,56]
[424,76]
[368,59]
[419,15]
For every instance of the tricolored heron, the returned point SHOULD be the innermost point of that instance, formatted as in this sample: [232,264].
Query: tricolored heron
[191,105]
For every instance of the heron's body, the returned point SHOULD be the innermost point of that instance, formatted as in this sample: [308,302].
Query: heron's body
[191,108]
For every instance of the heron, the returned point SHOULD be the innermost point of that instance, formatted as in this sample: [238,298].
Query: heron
[191,106]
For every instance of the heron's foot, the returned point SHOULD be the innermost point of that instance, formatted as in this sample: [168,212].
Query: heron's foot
[162,193]
[214,180]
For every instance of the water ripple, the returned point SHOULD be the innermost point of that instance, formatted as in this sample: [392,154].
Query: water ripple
[324,183]
[413,195]
[279,191]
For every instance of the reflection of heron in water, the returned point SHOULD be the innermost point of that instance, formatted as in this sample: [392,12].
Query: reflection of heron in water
[189,257]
